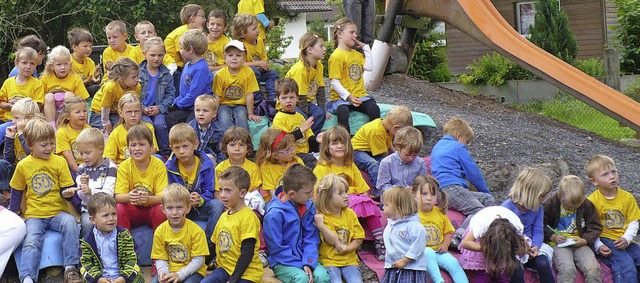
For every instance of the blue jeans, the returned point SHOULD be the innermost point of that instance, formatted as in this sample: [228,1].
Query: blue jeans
[3,130]
[161,132]
[210,211]
[319,116]
[193,278]
[623,263]
[219,275]
[447,262]
[96,121]
[32,244]
[369,164]
[349,273]
[269,78]
[230,115]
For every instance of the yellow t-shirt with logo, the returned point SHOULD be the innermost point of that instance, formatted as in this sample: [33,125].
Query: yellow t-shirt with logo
[116,147]
[347,66]
[308,79]
[215,51]
[11,91]
[72,82]
[290,122]
[228,235]
[18,150]
[189,177]
[233,89]
[253,7]
[250,166]
[172,46]
[272,174]
[437,225]
[137,56]
[110,56]
[616,213]
[357,184]
[348,228]
[66,140]
[42,180]
[179,247]
[372,137]
[108,96]
[86,69]
[256,52]
[153,180]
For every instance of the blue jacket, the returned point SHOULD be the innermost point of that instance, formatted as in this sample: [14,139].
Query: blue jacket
[194,81]
[204,184]
[291,240]
[165,90]
[210,141]
[452,164]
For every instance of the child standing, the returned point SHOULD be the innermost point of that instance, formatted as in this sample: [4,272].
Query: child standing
[104,110]
[340,230]
[336,156]
[237,235]
[576,219]
[118,47]
[40,179]
[427,193]
[71,122]
[143,31]
[179,244]
[256,9]
[192,16]
[293,253]
[403,166]
[208,132]
[404,237]
[217,26]
[107,250]
[618,212]
[81,42]
[346,67]
[276,153]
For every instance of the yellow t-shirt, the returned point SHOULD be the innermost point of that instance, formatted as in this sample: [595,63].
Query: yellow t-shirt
[172,46]
[250,166]
[72,82]
[137,56]
[11,91]
[108,97]
[18,150]
[110,56]
[116,147]
[309,80]
[372,137]
[233,89]
[86,69]
[42,179]
[228,235]
[189,177]
[348,228]
[66,140]
[179,247]
[153,180]
[616,213]
[437,225]
[290,122]
[357,184]
[256,52]
[272,174]
[215,51]
[253,7]
[347,67]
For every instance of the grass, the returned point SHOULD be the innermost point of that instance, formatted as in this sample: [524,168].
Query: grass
[574,112]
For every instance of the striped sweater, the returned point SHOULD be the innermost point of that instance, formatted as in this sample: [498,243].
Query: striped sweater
[91,265]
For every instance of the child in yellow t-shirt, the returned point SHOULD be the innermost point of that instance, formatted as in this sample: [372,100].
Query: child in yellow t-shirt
[192,17]
[118,47]
[81,42]
[71,122]
[143,31]
[237,235]
[179,244]
[256,9]
[140,182]
[20,86]
[15,147]
[217,26]
[276,153]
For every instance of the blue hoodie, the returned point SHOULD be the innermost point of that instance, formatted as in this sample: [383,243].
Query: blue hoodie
[194,81]
[204,184]
[452,164]
[291,240]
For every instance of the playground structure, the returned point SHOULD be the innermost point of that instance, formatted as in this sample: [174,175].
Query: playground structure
[480,20]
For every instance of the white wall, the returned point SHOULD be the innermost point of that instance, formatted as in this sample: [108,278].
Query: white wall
[296,27]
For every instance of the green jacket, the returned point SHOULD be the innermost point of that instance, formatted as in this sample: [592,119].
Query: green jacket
[91,264]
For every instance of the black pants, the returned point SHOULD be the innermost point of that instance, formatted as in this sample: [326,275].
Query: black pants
[178,116]
[369,108]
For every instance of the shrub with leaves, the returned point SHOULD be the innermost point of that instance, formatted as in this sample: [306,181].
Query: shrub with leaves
[493,70]
[276,41]
[592,67]
[551,32]
[430,59]
[628,34]
[633,91]
[325,61]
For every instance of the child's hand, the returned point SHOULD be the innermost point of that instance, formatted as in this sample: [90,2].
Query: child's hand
[271,24]
[579,242]
[354,100]
[107,128]
[263,65]
[621,243]
[340,248]
[134,197]
[318,220]
[152,111]
[84,179]
[442,248]
[171,278]
[195,199]
[69,192]
[98,72]
[11,131]
[401,263]
[604,251]
[306,125]
[20,125]
[328,116]
[533,251]
[144,198]
[85,189]
[360,44]
[254,118]
[319,137]
[309,273]
[558,239]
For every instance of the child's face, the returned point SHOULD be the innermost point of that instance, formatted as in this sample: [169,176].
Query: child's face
[105,219]
[234,58]
[78,115]
[116,39]
[176,212]
[130,81]
[407,156]
[90,154]
[42,149]
[230,194]
[83,49]
[237,150]
[337,149]
[348,35]
[390,211]
[154,56]
[426,199]
[18,118]
[40,57]
[26,67]
[318,50]
[186,52]
[203,112]
[140,149]
[303,195]
[131,113]
[252,33]
[286,154]
[198,20]
[61,67]
[184,151]
[288,101]
[606,179]
[340,199]
[144,32]
[216,27]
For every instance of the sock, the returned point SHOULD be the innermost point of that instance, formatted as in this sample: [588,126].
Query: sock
[27,280]
[377,234]
[69,267]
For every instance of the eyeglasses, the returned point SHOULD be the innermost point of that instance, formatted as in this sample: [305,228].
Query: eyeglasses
[200,15]
[287,151]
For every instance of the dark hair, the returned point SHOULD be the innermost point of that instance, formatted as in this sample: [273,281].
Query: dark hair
[98,201]
[78,35]
[141,132]
[34,42]
[298,177]
[500,245]
[238,175]
[286,85]
[236,133]
[216,13]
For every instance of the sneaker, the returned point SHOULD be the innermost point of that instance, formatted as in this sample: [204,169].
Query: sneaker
[380,250]
[72,275]
[455,242]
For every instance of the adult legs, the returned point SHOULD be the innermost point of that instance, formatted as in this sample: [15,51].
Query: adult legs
[367,24]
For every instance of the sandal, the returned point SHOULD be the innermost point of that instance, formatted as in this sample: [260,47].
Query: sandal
[380,250]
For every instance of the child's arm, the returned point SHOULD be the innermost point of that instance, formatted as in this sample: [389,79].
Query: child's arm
[629,233]
[128,269]
[471,170]
[91,269]
[311,238]
[104,118]
[200,84]
[247,248]
[71,161]
[263,65]
[16,200]
[469,242]
[9,150]
[182,274]
[592,226]
[169,96]
[384,175]
[537,234]
[444,246]
[249,104]
[368,56]
[328,236]
[278,247]
[419,234]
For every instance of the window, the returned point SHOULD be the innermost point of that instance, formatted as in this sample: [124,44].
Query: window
[525,17]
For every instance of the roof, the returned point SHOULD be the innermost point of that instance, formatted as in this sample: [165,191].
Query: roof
[302,6]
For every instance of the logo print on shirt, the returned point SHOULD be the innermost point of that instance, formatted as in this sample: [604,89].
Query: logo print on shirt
[355,72]
[211,58]
[613,219]
[224,242]
[42,183]
[233,92]
[433,235]
[178,253]
[343,236]
[313,89]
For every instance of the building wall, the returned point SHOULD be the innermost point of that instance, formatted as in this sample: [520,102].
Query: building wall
[296,28]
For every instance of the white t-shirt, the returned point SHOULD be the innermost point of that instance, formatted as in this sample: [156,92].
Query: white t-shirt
[480,221]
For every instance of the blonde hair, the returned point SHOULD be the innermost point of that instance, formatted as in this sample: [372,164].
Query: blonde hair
[79,35]
[236,133]
[241,24]
[122,68]
[326,187]
[285,86]
[189,10]
[430,183]
[181,133]
[136,29]
[267,142]
[401,200]
[238,175]
[38,130]
[195,39]
[27,53]
[63,118]
[118,26]
[529,186]
[175,192]
[400,115]
[597,163]
[91,136]
[57,53]
[408,137]
[153,41]
[129,97]
[571,190]
[339,26]
[211,101]
[458,127]
[307,40]
[25,106]
[140,132]
[336,134]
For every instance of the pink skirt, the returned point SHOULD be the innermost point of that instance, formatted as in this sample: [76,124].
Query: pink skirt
[363,206]
[471,260]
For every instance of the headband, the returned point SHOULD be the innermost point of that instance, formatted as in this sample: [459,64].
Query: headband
[275,143]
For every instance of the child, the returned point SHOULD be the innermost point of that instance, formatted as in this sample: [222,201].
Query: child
[217,26]
[256,9]
[192,169]
[234,86]
[179,244]
[403,166]
[140,182]
[15,146]
[619,214]
[336,156]
[71,122]
[107,251]
[308,74]
[427,193]
[345,74]
[452,166]
[245,28]
[294,123]
[404,237]
[145,30]
[118,47]
[237,235]
[372,142]
[195,78]
[81,42]
[129,109]
[340,230]
[156,90]
[293,253]
[37,44]
[192,17]
[104,110]
[276,153]
[575,217]
[44,177]
[208,132]
[95,175]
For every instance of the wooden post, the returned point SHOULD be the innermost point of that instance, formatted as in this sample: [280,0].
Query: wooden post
[612,68]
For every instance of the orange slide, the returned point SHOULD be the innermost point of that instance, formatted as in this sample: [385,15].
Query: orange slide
[480,20]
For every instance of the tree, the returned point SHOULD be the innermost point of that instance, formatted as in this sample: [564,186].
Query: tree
[628,34]
[551,32]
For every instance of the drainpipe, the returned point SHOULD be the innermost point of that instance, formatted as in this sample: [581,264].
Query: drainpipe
[381,49]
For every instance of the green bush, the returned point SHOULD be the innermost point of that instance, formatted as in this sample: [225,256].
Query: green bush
[325,61]
[551,32]
[592,67]
[281,69]
[627,33]
[276,41]
[493,70]
[633,91]
[430,59]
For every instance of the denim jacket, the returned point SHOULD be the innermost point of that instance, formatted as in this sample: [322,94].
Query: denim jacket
[210,141]
[165,92]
